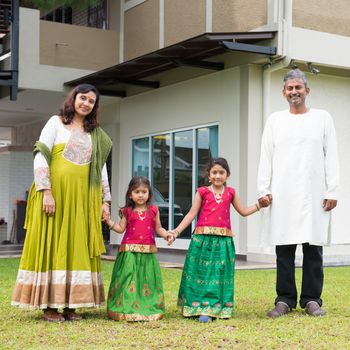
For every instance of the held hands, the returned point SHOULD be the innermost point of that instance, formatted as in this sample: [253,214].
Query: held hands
[329,204]
[170,238]
[265,201]
[49,205]
[106,217]
[106,214]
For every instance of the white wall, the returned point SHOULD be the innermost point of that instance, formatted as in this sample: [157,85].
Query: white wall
[207,99]
[109,119]
[32,74]
[318,47]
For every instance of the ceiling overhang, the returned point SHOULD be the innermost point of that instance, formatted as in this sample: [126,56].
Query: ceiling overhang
[196,52]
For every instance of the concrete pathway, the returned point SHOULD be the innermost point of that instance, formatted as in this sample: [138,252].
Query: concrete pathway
[240,265]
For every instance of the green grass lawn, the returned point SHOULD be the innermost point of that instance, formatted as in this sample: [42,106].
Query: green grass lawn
[248,329]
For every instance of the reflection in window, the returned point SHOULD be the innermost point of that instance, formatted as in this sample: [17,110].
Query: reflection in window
[160,175]
[207,141]
[183,163]
[140,157]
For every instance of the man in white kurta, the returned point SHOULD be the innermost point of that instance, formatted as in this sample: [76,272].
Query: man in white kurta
[298,176]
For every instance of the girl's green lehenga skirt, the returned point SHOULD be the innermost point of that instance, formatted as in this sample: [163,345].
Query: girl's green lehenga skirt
[56,269]
[136,289]
[208,277]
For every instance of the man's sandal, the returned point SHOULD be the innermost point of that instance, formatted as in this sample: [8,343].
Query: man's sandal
[71,315]
[51,315]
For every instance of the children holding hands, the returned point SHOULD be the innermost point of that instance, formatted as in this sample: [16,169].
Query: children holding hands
[207,283]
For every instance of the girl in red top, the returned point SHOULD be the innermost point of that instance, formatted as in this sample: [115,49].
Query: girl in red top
[136,289]
[207,282]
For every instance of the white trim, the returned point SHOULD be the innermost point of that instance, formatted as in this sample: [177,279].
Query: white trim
[121,32]
[5,55]
[179,244]
[75,277]
[150,167]
[161,24]
[209,16]
[171,182]
[194,169]
[129,4]
[176,130]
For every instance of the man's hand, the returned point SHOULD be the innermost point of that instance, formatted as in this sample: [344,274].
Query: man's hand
[329,204]
[265,201]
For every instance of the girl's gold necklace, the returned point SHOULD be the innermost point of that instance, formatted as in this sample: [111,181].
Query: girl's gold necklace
[217,196]
[141,214]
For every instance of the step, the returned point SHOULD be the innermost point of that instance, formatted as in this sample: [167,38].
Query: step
[11,247]
[10,253]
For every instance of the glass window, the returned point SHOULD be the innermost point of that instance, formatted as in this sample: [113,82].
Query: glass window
[178,163]
[160,175]
[140,157]
[183,165]
[207,148]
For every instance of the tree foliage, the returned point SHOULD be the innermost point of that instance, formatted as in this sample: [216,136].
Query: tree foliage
[51,4]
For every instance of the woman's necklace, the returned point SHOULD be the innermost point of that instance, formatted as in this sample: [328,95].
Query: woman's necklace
[217,196]
[80,126]
[141,214]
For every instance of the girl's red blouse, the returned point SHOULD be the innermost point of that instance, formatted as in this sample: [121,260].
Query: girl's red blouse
[214,217]
[139,233]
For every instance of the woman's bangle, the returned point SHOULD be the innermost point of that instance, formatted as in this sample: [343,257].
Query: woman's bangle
[111,225]
[106,203]
[257,206]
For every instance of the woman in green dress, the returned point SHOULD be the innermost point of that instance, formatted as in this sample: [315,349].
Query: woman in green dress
[60,265]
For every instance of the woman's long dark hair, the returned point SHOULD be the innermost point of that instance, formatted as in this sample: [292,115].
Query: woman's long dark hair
[67,110]
[135,182]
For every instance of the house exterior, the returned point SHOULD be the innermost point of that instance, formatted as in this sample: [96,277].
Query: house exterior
[182,81]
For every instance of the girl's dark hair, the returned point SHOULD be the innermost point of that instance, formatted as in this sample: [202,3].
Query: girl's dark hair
[67,110]
[218,161]
[135,182]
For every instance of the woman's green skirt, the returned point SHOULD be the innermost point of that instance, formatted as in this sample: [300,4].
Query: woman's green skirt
[56,269]
[208,277]
[136,289]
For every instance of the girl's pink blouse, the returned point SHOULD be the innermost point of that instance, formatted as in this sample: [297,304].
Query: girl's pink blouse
[140,231]
[212,213]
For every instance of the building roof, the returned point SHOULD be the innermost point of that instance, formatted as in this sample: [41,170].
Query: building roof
[193,52]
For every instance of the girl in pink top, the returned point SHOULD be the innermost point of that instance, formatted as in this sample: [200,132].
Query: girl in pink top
[206,288]
[136,289]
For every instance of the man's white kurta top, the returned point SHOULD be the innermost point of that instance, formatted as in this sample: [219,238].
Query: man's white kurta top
[299,167]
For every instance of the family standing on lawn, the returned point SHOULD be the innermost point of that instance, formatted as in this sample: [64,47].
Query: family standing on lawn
[60,266]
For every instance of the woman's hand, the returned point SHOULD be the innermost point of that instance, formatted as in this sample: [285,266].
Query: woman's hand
[106,214]
[49,205]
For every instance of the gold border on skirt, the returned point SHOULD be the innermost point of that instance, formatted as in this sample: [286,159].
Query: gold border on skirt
[212,230]
[138,248]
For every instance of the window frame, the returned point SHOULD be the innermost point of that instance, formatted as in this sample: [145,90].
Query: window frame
[180,243]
